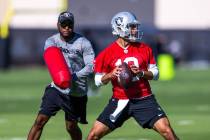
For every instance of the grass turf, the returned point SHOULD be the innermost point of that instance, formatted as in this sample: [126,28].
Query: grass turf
[186,100]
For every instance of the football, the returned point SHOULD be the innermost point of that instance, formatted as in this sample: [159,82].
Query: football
[125,76]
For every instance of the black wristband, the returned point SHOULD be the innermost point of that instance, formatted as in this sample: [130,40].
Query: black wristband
[140,74]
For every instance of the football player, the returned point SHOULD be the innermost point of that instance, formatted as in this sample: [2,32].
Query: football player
[69,57]
[137,100]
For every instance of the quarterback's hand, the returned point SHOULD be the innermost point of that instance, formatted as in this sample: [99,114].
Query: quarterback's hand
[115,72]
[135,70]
[112,75]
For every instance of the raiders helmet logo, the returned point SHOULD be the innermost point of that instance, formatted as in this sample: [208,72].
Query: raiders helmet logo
[66,14]
[119,21]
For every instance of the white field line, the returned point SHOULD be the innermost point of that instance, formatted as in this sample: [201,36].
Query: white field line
[185,122]
[203,108]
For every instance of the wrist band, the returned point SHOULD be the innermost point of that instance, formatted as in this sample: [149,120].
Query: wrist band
[141,74]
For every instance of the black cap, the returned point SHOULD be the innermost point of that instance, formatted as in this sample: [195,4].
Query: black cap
[66,16]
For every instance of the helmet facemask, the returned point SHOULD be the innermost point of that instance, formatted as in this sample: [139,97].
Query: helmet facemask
[135,34]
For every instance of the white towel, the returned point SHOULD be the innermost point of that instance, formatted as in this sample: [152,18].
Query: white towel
[120,106]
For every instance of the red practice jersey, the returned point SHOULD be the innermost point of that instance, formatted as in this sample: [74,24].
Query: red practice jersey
[138,54]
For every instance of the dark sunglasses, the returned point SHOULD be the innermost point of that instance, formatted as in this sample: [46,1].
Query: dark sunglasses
[66,24]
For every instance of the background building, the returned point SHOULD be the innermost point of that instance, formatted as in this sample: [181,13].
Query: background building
[180,28]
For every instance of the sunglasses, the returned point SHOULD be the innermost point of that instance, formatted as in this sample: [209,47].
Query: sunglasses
[66,24]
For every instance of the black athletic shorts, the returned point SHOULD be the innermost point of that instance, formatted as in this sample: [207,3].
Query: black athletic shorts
[74,107]
[145,111]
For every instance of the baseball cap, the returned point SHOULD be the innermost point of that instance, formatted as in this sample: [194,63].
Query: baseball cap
[66,17]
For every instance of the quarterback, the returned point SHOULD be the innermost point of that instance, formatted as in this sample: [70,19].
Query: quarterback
[136,100]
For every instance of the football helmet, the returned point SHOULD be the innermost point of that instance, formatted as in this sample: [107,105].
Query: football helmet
[126,25]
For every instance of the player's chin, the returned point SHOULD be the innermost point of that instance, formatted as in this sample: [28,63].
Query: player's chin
[66,34]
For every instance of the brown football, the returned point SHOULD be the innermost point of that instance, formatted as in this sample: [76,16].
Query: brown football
[125,77]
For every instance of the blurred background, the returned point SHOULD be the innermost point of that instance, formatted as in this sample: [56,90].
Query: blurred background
[181,28]
[178,32]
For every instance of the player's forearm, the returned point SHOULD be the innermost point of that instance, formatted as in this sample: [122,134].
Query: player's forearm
[106,78]
[154,72]
[86,71]
[147,75]
[102,79]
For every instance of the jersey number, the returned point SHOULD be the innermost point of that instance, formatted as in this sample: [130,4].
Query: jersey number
[129,60]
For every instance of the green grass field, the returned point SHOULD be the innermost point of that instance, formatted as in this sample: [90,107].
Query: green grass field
[186,99]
